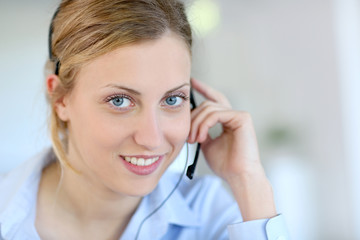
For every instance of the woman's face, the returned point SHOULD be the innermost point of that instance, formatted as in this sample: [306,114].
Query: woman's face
[129,115]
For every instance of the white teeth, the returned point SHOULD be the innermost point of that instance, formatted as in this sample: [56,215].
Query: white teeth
[148,162]
[141,161]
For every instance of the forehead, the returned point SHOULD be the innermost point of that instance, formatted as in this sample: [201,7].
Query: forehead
[164,61]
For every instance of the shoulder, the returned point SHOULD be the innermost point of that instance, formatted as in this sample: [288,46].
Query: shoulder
[13,182]
[207,196]
[18,191]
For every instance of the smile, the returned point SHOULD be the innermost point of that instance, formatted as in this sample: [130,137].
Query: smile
[141,161]
[142,165]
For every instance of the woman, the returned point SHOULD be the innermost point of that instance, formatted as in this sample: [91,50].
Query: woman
[119,91]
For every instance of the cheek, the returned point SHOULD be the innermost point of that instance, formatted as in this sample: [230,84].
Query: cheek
[177,129]
[96,130]
[108,132]
[98,137]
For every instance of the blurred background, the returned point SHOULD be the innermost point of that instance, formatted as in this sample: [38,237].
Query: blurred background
[294,65]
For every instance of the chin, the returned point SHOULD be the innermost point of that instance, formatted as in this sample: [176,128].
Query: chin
[139,190]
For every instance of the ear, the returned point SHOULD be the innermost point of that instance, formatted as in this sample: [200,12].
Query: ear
[60,105]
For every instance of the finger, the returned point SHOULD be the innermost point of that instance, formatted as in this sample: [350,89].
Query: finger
[209,93]
[199,118]
[196,121]
[203,105]
[230,120]
[209,121]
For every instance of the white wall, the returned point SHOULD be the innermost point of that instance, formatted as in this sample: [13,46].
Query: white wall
[23,42]
[347,34]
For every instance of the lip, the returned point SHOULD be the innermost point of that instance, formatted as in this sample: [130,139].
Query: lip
[142,170]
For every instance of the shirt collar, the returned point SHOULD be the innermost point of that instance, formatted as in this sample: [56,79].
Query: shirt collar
[175,211]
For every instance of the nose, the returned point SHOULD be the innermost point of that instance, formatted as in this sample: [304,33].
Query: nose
[148,132]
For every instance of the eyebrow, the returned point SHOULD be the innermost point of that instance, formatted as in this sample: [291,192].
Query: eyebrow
[123,88]
[138,93]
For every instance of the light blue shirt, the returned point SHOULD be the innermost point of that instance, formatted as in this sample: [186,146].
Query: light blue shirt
[198,209]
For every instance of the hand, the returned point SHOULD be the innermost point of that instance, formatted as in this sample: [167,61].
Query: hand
[235,151]
[234,155]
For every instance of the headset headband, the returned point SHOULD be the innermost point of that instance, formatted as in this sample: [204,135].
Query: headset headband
[51,56]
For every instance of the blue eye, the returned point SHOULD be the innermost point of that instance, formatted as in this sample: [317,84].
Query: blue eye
[120,102]
[174,100]
[117,101]
[171,100]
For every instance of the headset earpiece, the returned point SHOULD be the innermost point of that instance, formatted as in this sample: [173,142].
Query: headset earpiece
[191,169]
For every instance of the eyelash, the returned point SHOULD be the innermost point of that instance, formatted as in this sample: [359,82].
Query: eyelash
[181,95]
[108,99]
[114,96]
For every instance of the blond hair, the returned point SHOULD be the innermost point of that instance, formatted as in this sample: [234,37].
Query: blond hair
[83,30]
